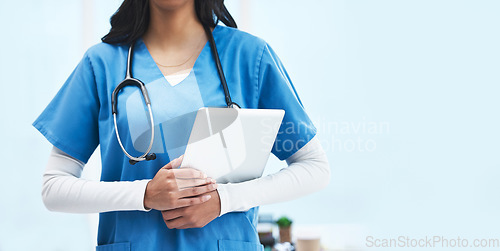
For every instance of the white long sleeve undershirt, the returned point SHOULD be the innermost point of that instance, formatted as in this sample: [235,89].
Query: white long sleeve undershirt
[63,190]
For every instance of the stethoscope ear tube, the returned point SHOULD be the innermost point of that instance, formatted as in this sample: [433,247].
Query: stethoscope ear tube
[222,77]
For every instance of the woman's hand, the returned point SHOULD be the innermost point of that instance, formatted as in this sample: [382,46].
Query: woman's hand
[194,216]
[175,188]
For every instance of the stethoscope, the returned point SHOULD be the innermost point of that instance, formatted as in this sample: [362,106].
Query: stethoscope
[131,81]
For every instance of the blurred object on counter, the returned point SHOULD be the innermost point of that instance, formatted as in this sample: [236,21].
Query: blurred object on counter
[265,230]
[308,241]
[285,226]
[287,246]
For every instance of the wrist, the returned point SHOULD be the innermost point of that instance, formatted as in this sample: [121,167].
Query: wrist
[217,195]
[222,191]
[146,201]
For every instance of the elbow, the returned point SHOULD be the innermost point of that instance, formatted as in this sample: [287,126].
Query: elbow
[325,177]
[49,204]
[48,197]
[322,166]
[47,200]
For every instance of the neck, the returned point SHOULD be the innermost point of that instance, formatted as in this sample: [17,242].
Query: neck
[173,27]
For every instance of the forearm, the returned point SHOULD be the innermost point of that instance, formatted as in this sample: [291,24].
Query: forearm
[308,171]
[63,190]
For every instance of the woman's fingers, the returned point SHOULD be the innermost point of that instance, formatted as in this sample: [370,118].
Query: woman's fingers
[174,187]
[188,173]
[195,191]
[193,216]
[185,202]
[176,222]
[171,214]
[186,183]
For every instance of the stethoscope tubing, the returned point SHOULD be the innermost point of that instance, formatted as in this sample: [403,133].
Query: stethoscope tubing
[143,156]
[129,80]
[222,77]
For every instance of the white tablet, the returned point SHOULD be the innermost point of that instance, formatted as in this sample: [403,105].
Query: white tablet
[231,144]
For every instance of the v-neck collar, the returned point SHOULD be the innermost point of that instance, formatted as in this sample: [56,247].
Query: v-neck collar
[151,64]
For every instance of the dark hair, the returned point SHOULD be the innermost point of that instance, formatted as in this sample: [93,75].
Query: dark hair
[131,20]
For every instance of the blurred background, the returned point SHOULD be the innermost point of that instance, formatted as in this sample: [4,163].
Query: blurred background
[404,95]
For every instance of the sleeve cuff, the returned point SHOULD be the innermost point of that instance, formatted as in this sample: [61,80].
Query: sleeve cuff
[222,189]
[138,193]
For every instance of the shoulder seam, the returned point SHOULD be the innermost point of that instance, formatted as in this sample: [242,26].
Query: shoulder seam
[95,80]
[257,86]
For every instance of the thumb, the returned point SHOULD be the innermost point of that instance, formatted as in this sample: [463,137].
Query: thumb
[174,163]
[167,166]
[177,162]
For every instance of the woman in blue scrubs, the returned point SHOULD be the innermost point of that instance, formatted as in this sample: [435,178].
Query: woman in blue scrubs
[144,207]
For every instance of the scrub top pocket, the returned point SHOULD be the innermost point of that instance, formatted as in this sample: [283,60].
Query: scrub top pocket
[122,246]
[230,245]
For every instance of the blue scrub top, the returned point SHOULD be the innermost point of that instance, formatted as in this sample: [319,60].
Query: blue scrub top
[79,119]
